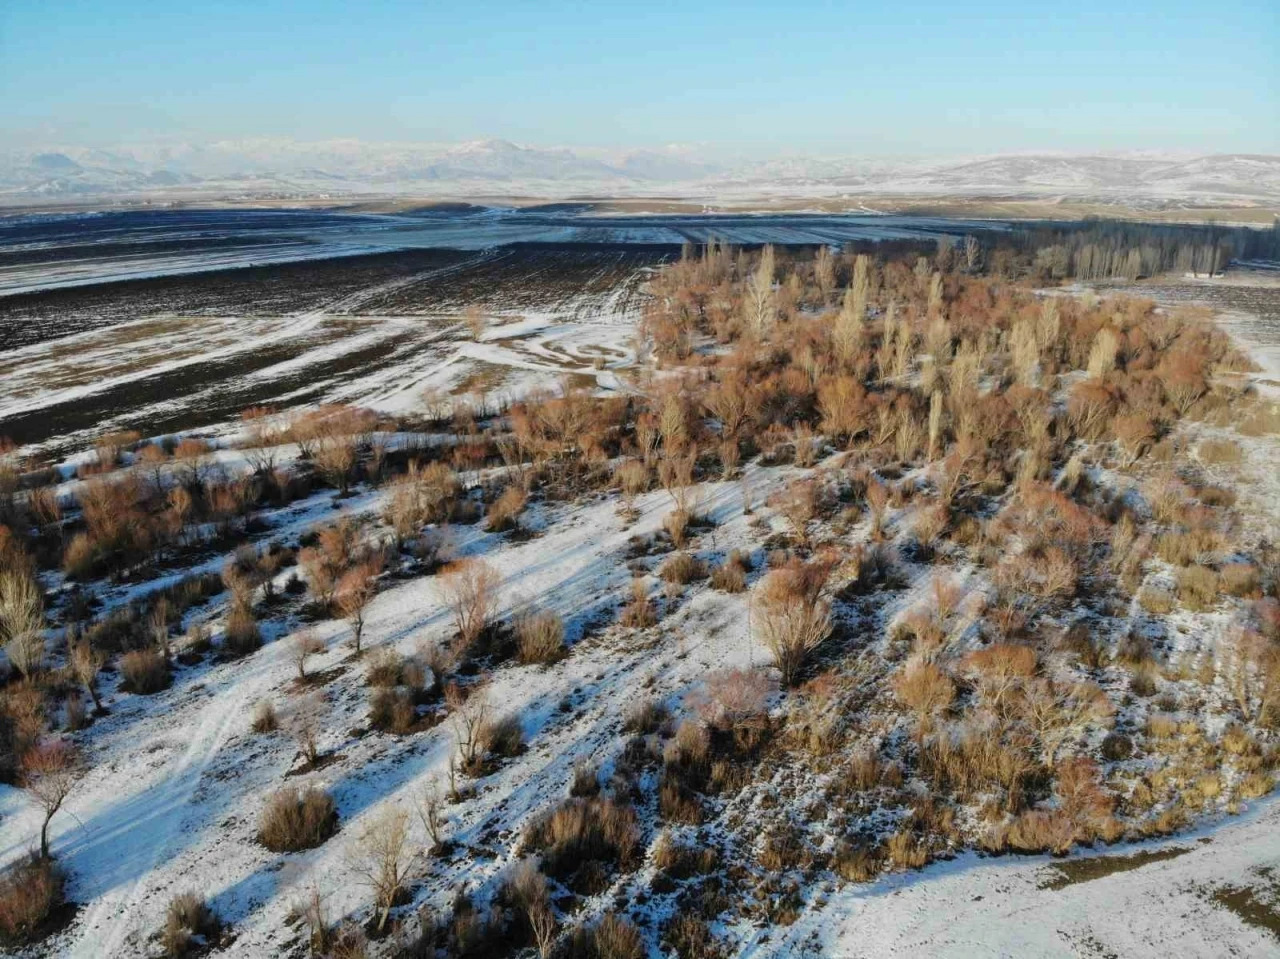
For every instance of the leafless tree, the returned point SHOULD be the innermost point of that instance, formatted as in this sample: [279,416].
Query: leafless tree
[380,857]
[470,590]
[49,772]
[304,722]
[355,591]
[469,714]
[303,646]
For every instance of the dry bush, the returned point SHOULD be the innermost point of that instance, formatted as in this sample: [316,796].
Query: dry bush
[1242,579]
[924,688]
[791,618]
[734,697]
[145,671]
[527,889]
[583,830]
[469,588]
[393,710]
[540,637]
[615,937]
[504,512]
[294,819]
[1056,712]
[856,863]
[22,620]
[324,563]
[420,496]
[689,937]
[1198,587]
[187,917]
[1041,830]
[1220,452]
[264,719]
[504,737]
[639,612]
[241,635]
[645,717]
[1185,548]
[731,575]
[798,501]
[1158,602]
[999,672]
[30,891]
[904,851]
[676,523]
[681,569]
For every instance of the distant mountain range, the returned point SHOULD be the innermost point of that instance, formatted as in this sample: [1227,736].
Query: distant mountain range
[279,167]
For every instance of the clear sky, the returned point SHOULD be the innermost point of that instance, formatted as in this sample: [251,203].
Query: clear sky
[803,77]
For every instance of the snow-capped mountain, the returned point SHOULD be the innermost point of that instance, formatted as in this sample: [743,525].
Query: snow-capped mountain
[352,166]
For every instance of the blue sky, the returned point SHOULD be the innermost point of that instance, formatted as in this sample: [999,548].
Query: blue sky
[740,78]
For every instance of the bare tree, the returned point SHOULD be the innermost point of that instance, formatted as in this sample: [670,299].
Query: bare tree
[303,646]
[380,857]
[22,620]
[355,591]
[431,813]
[470,590]
[469,716]
[529,890]
[49,772]
[303,722]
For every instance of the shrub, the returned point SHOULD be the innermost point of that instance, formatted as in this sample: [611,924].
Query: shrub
[1156,601]
[241,635]
[615,937]
[645,717]
[294,820]
[856,863]
[30,891]
[504,512]
[540,637]
[791,617]
[905,851]
[1241,579]
[583,830]
[924,688]
[1198,587]
[1256,785]
[676,523]
[639,612]
[1219,452]
[731,575]
[187,917]
[392,710]
[145,672]
[682,568]
[504,736]
[264,717]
